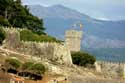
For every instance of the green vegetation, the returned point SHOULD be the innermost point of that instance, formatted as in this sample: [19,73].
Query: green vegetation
[12,13]
[27,65]
[35,68]
[82,58]
[13,63]
[27,35]
[4,21]
[2,35]
[38,68]
[29,69]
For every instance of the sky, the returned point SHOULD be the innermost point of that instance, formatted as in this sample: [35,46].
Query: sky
[99,9]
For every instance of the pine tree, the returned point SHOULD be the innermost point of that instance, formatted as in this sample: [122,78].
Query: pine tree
[19,16]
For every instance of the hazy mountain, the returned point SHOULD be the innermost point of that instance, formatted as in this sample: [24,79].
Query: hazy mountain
[109,54]
[97,33]
[56,11]
[58,18]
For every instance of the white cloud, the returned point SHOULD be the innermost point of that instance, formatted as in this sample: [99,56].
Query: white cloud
[102,18]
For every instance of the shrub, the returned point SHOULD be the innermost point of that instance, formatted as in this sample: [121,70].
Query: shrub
[38,68]
[2,35]
[13,63]
[27,35]
[82,58]
[27,65]
[3,21]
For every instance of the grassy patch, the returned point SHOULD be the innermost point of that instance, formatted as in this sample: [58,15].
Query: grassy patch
[27,35]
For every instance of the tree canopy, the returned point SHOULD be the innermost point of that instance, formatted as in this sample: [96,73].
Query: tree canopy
[83,58]
[12,13]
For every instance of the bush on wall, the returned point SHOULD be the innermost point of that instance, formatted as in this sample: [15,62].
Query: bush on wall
[83,58]
[27,35]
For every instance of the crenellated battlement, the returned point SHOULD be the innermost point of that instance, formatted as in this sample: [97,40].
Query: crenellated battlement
[52,51]
[111,62]
[35,42]
[73,34]
[8,29]
[57,52]
[113,69]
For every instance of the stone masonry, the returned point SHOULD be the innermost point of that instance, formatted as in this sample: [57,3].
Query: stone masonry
[73,40]
[111,69]
[57,52]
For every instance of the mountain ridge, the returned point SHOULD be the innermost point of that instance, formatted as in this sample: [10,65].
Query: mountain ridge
[100,37]
[62,18]
[62,9]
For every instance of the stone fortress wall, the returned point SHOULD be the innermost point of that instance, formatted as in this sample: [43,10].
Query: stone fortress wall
[57,52]
[112,69]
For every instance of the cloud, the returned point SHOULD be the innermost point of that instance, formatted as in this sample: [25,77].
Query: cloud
[102,18]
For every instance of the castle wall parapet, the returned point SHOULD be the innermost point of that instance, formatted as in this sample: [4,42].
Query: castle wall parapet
[110,68]
[52,51]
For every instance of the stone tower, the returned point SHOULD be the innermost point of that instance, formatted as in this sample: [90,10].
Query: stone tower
[73,40]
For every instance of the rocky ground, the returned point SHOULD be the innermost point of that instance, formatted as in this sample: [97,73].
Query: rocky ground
[63,73]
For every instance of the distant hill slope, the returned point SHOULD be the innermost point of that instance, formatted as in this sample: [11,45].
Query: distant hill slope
[97,33]
[58,18]
[108,54]
[56,11]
